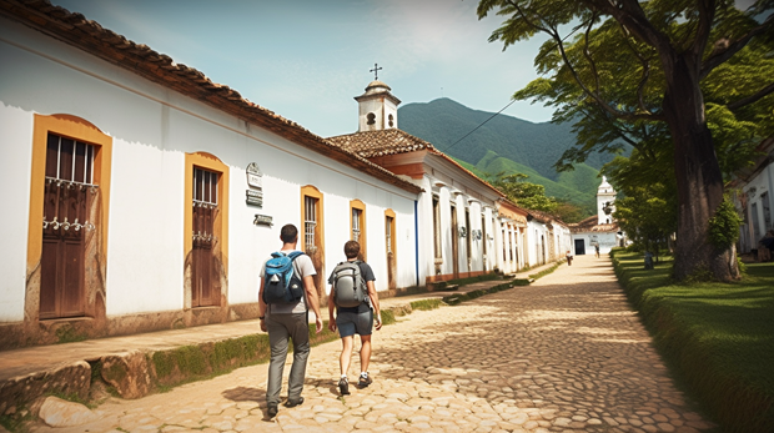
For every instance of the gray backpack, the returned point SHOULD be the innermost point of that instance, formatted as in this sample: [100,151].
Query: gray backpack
[349,287]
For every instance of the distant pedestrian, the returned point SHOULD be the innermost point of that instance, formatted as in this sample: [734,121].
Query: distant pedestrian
[648,260]
[569,258]
[596,249]
[289,320]
[355,302]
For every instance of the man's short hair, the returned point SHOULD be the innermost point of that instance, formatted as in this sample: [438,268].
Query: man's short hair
[289,233]
[351,249]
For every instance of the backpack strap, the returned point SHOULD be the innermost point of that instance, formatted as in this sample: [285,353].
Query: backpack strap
[293,256]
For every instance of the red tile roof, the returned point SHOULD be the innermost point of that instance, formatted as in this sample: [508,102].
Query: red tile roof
[380,143]
[371,144]
[590,224]
[88,35]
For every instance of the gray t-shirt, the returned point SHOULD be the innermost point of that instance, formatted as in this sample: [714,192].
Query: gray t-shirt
[305,267]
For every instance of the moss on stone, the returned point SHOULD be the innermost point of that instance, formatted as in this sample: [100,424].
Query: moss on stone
[426,304]
[68,334]
[388,317]
[115,372]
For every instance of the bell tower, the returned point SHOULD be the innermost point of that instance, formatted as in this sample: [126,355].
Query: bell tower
[377,107]
[605,202]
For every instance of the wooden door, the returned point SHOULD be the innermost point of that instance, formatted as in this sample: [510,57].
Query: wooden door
[205,286]
[580,247]
[67,199]
[389,226]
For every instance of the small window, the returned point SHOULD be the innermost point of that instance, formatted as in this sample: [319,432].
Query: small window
[371,118]
[356,215]
[437,227]
[390,118]
[358,225]
[310,223]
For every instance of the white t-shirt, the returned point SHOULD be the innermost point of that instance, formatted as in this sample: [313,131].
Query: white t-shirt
[305,267]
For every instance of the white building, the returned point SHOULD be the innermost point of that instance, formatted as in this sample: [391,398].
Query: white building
[754,188]
[600,230]
[457,212]
[139,195]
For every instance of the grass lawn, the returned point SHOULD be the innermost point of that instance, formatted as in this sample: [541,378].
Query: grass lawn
[717,338]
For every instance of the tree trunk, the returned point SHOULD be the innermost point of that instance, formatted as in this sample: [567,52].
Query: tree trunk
[699,179]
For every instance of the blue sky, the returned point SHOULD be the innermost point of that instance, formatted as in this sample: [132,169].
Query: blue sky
[306,60]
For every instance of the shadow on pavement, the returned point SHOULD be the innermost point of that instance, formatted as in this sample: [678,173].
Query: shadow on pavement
[560,344]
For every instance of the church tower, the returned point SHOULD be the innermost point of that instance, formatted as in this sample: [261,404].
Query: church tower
[378,108]
[605,202]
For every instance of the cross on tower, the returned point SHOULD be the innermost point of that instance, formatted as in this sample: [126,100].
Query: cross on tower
[376,70]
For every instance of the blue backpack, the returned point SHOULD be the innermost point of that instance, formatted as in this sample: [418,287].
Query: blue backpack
[281,283]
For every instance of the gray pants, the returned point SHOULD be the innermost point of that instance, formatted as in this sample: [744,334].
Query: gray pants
[281,327]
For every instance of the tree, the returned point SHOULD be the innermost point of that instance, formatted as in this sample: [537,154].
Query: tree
[648,210]
[569,212]
[634,70]
[525,194]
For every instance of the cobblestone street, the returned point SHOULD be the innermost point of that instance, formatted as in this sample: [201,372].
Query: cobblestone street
[564,354]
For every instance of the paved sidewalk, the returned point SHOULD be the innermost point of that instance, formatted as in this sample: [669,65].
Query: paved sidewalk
[565,354]
[21,362]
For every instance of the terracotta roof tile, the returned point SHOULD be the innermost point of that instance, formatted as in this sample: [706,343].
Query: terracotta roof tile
[371,144]
[88,35]
[380,143]
[590,224]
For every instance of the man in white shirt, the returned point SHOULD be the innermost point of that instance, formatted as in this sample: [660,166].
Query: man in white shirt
[285,321]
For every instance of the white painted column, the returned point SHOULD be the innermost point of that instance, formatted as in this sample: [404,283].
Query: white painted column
[514,247]
[522,250]
[506,247]
[497,233]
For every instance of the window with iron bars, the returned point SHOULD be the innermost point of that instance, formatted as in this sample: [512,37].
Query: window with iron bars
[356,217]
[310,223]
[388,234]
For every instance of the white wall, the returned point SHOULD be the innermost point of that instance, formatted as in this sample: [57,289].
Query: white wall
[607,241]
[762,183]
[153,128]
[538,243]
[15,171]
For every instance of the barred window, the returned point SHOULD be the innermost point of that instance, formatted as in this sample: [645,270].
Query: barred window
[356,229]
[310,222]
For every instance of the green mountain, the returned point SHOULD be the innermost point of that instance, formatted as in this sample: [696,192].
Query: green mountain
[505,144]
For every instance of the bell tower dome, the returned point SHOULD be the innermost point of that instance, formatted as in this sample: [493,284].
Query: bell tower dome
[377,108]
[605,202]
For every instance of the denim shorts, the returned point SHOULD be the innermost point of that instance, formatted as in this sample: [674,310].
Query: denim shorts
[355,323]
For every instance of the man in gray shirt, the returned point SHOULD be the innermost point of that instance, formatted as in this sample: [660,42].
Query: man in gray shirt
[289,321]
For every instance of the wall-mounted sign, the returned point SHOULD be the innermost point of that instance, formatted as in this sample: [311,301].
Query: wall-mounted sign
[254,198]
[263,220]
[254,176]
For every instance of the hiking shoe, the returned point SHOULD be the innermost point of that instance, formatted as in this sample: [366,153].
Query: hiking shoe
[344,386]
[294,403]
[364,381]
[271,410]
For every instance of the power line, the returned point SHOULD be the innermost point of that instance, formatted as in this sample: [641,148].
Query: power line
[482,124]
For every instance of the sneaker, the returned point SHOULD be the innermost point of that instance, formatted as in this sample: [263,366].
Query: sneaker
[271,410]
[344,386]
[294,403]
[364,381]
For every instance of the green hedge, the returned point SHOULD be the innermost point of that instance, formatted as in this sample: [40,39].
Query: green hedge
[716,338]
